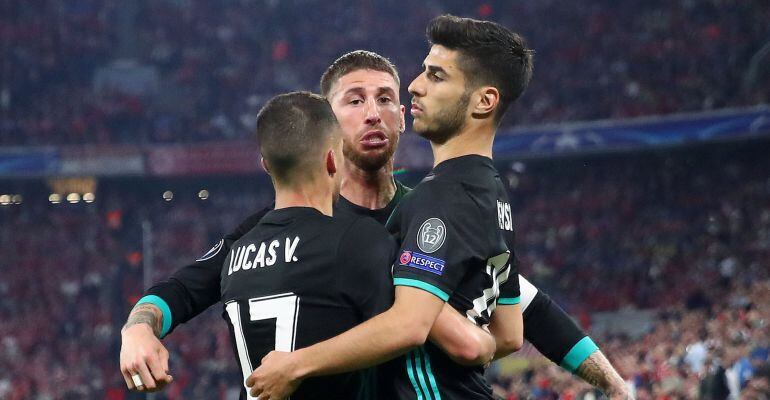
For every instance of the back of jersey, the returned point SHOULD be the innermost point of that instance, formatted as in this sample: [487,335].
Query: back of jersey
[300,277]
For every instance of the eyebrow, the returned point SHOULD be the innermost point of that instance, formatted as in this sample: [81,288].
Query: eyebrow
[358,89]
[435,69]
[386,89]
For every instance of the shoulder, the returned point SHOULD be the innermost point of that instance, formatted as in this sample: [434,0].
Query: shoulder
[448,199]
[248,224]
[365,240]
[437,193]
[401,188]
[359,228]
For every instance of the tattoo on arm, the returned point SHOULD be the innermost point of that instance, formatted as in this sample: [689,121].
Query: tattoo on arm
[146,314]
[599,373]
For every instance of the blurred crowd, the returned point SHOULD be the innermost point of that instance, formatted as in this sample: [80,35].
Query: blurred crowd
[685,232]
[71,273]
[105,71]
[712,353]
[660,228]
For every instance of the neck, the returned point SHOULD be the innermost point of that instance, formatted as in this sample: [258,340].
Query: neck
[476,139]
[311,193]
[368,189]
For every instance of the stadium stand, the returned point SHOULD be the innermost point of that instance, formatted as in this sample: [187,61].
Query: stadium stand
[197,71]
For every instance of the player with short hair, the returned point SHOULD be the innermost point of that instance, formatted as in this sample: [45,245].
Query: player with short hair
[294,279]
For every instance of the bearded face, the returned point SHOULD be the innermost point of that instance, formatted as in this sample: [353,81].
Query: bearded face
[440,96]
[368,109]
[439,124]
[370,151]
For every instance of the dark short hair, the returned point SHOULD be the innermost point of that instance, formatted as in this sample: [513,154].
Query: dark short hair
[490,54]
[291,129]
[354,61]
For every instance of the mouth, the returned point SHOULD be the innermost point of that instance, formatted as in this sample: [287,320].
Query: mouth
[374,140]
[416,110]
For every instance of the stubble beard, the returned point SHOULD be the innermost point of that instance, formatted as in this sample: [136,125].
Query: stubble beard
[447,122]
[369,162]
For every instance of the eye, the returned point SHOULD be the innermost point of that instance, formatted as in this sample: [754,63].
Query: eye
[355,102]
[385,100]
[435,78]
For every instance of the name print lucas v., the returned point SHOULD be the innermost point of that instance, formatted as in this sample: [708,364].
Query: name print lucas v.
[263,255]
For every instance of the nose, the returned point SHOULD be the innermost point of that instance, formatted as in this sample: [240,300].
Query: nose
[372,113]
[416,88]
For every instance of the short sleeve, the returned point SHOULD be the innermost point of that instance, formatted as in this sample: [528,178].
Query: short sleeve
[365,255]
[510,288]
[440,237]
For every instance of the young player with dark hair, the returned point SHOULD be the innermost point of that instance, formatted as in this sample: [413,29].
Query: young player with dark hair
[498,66]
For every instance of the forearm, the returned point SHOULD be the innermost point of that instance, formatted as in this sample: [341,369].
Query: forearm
[380,339]
[507,327]
[598,372]
[377,340]
[146,313]
[501,350]
[462,340]
[188,292]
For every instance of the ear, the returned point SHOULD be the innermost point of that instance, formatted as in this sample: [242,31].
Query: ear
[402,122]
[331,165]
[488,100]
[264,165]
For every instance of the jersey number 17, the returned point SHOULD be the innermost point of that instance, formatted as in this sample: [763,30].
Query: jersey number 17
[281,308]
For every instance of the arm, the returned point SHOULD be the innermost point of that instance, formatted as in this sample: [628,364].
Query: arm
[377,340]
[506,323]
[551,330]
[599,373]
[461,339]
[187,293]
[507,326]
[141,352]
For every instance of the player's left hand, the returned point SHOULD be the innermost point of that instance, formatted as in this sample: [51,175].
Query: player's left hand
[275,379]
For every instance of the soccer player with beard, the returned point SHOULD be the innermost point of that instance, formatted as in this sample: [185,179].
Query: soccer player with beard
[363,89]
[293,280]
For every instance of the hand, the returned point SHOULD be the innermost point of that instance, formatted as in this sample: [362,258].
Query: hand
[141,353]
[620,394]
[276,378]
